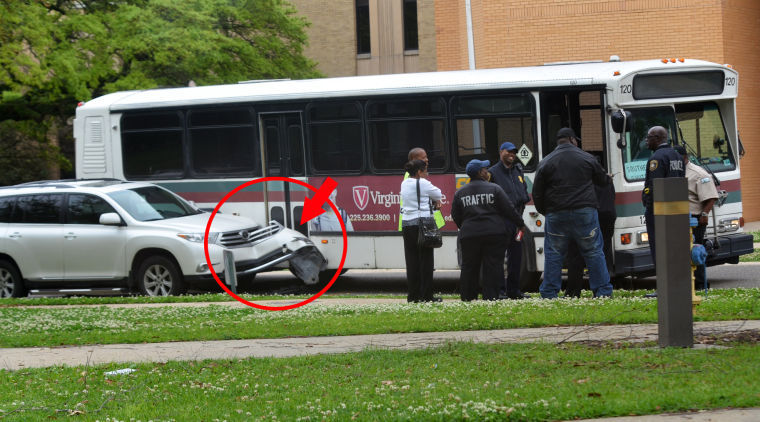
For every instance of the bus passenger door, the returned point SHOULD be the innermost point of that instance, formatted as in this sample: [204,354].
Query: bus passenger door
[581,110]
[283,155]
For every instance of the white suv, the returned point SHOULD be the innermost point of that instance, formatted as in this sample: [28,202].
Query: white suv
[111,233]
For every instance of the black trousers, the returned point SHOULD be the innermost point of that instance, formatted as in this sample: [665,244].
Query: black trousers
[575,263]
[419,266]
[488,252]
[649,217]
[511,286]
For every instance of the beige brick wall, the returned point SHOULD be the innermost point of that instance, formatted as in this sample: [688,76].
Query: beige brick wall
[332,35]
[532,32]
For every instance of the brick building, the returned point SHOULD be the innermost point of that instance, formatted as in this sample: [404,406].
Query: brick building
[510,33]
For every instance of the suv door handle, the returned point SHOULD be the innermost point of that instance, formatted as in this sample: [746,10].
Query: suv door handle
[14,235]
[70,235]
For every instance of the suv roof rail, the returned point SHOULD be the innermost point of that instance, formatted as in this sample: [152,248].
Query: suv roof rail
[64,183]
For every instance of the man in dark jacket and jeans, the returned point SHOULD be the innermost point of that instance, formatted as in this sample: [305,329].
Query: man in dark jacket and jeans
[563,192]
[508,174]
[479,209]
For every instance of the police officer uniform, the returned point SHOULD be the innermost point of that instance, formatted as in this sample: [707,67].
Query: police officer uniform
[664,162]
[479,209]
[512,180]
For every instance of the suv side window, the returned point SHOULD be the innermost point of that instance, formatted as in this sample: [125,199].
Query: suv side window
[6,206]
[38,209]
[86,209]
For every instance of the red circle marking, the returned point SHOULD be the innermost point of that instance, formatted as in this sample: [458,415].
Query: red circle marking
[273,308]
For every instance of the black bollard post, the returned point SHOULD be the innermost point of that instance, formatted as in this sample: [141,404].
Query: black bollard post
[671,226]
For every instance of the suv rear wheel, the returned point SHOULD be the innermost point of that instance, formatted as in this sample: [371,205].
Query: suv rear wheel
[159,276]
[11,284]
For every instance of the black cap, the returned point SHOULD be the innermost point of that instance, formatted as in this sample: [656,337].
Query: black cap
[680,149]
[566,132]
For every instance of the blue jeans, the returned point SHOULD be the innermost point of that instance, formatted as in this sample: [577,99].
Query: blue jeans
[582,226]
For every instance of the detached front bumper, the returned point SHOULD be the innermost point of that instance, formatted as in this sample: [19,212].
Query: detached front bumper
[282,249]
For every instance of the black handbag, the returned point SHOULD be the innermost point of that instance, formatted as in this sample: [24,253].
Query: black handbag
[429,235]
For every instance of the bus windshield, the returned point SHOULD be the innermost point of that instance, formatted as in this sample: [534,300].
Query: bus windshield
[705,136]
[636,153]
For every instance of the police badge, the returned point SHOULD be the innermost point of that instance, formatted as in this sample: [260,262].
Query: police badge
[653,165]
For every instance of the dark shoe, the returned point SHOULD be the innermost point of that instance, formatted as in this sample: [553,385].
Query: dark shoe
[573,293]
[651,295]
[433,299]
[519,296]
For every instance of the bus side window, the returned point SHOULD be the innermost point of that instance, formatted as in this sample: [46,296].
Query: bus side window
[483,123]
[335,136]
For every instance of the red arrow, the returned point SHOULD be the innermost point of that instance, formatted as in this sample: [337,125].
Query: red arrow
[312,207]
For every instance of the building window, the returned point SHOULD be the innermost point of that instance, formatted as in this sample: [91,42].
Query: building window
[362,27]
[410,25]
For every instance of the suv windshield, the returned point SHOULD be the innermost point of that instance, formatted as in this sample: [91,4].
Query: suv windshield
[152,203]
[703,131]
[636,153]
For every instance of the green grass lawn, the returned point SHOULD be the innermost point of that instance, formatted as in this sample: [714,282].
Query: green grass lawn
[458,381]
[52,326]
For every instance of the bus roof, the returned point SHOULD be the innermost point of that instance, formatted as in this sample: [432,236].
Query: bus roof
[432,82]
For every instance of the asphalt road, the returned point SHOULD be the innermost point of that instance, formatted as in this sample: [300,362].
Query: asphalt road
[394,281]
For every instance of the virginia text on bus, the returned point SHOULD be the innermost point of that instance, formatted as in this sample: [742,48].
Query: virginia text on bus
[202,142]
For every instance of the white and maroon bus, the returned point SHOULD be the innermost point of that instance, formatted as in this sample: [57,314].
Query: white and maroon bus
[201,142]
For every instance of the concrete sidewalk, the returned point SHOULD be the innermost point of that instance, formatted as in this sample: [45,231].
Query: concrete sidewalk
[35,357]
[720,415]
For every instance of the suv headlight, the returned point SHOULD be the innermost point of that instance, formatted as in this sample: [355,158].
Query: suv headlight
[198,237]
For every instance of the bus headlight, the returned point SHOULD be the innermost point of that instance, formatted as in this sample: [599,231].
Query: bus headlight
[642,238]
[728,225]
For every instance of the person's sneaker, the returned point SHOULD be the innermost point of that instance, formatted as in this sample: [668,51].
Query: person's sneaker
[519,296]
[651,295]
[434,299]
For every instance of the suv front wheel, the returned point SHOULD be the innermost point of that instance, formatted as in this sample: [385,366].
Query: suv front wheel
[11,284]
[159,276]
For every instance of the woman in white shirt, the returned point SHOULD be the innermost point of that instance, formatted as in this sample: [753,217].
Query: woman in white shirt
[419,261]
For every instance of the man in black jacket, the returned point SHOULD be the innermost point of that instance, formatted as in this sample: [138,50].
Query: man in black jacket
[605,195]
[563,192]
[479,209]
[508,174]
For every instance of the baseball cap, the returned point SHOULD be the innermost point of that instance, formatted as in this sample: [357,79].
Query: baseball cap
[566,132]
[509,146]
[474,166]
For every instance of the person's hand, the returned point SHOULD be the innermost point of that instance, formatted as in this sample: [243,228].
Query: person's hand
[703,220]
[436,205]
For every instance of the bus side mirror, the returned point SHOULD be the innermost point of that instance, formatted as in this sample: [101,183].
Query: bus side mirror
[620,120]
